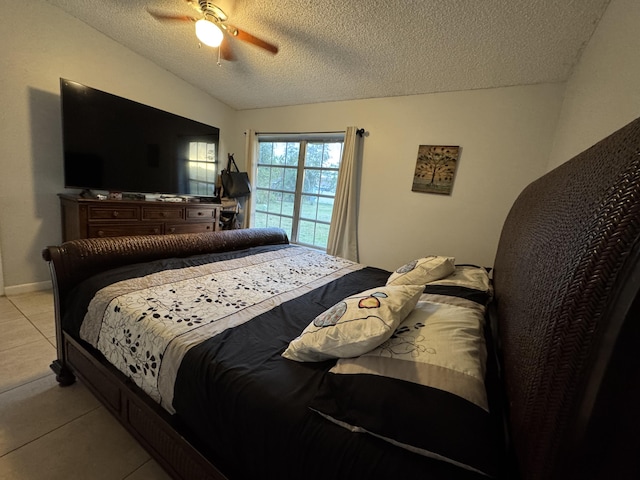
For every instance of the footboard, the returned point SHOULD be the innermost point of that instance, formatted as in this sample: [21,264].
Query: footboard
[159,433]
[75,261]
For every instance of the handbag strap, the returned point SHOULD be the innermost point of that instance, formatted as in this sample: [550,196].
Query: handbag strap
[231,162]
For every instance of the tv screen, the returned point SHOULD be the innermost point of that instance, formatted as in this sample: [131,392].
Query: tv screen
[115,144]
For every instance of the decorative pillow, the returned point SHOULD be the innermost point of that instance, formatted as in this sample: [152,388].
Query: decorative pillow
[422,389]
[423,271]
[468,276]
[467,281]
[355,325]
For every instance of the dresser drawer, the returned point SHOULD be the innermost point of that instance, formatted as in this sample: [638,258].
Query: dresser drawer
[190,228]
[114,213]
[201,213]
[91,218]
[163,213]
[120,230]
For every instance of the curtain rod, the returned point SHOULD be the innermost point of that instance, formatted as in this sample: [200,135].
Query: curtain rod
[296,133]
[360,132]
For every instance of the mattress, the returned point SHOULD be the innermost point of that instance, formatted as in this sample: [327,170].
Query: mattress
[203,336]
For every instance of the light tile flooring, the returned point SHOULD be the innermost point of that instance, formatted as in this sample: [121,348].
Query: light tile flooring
[48,432]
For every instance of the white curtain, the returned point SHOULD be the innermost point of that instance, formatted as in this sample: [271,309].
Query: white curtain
[251,156]
[343,232]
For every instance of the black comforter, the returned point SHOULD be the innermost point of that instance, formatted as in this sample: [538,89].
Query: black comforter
[240,399]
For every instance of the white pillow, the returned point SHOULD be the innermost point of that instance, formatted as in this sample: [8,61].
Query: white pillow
[355,325]
[433,368]
[423,271]
[467,276]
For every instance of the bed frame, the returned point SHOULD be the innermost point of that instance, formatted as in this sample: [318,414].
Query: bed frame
[566,320]
[161,434]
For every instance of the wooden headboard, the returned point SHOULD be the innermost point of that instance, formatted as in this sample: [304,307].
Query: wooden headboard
[567,277]
[78,260]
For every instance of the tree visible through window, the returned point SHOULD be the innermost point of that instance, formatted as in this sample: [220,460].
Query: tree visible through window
[296,180]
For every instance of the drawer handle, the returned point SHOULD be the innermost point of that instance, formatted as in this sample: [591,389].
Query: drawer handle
[172,229]
[156,230]
[208,227]
[100,233]
[200,213]
[116,213]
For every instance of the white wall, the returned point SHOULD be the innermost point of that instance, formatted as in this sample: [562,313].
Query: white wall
[37,49]
[603,94]
[505,135]
[1,277]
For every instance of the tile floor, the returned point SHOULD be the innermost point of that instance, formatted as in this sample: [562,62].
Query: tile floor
[48,432]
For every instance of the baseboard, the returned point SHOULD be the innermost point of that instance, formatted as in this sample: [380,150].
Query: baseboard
[27,288]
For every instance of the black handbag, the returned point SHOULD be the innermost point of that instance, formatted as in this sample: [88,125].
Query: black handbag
[235,183]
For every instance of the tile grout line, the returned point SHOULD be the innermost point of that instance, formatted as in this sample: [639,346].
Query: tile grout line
[50,373]
[28,343]
[23,384]
[128,475]
[88,412]
[51,431]
[46,310]
[23,315]
[36,327]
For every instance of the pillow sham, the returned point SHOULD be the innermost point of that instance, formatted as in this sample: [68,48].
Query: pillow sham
[422,271]
[422,389]
[354,325]
[468,282]
[468,276]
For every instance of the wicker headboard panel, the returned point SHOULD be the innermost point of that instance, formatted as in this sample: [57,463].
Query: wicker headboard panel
[77,260]
[566,278]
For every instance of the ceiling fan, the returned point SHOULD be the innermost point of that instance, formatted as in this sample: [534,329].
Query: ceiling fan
[212,28]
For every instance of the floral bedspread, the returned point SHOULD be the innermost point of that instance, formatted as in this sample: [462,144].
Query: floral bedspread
[144,326]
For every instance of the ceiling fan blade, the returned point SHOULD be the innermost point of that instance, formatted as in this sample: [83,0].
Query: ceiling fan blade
[247,37]
[170,17]
[226,51]
[194,4]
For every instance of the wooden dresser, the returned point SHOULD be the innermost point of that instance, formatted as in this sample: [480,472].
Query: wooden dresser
[89,218]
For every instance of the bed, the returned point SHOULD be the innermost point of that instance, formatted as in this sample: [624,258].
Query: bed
[236,355]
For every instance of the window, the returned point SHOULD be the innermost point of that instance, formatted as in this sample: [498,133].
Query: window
[296,179]
[201,168]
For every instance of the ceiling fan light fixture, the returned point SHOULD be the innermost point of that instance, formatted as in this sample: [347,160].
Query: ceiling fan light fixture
[208,33]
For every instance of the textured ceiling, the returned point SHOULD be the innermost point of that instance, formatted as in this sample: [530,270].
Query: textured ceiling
[351,49]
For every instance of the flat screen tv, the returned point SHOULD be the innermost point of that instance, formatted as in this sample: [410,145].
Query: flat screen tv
[114,144]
